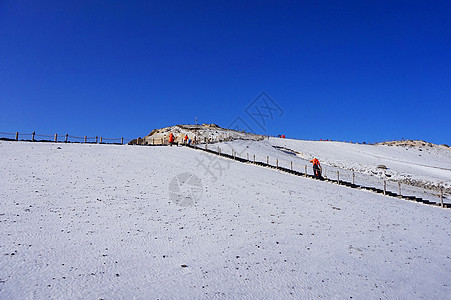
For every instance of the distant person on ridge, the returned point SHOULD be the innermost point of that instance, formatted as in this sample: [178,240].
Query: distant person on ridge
[317,168]
[171,139]
[186,139]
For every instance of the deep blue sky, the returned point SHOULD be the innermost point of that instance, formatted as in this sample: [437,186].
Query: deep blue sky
[344,70]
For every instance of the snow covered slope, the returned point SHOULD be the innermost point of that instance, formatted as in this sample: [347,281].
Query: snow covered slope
[428,165]
[97,221]
[205,132]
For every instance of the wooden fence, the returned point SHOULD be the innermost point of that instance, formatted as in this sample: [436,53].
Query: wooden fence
[275,164]
[59,138]
[202,144]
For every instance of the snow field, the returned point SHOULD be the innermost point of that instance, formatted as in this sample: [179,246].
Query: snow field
[430,165]
[96,221]
[348,158]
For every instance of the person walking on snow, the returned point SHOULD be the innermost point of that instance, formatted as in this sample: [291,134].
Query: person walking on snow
[171,139]
[317,168]
[186,138]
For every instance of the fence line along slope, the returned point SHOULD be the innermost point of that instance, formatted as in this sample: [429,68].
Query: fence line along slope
[89,221]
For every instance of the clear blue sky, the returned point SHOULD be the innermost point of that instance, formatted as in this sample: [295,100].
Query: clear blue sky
[344,70]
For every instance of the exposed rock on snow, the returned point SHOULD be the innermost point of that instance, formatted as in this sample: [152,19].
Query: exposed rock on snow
[412,143]
[204,132]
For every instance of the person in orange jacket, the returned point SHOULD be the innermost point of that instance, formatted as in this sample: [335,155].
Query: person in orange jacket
[316,168]
[171,139]
[186,139]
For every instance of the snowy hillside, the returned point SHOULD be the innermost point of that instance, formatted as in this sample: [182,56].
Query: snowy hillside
[205,132]
[85,221]
[428,165]
[420,175]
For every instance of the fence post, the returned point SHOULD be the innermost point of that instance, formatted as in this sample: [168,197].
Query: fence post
[247,156]
[338,177]
[353,178]
[267,160]
[305,170]
[100,140]
[66,137]
[122,140]
[441,196]
[85,138]
[234,154]
[56,137]
[32,136]
[277,163]
[254,158]
[17,136]
[291,165]
[385,187]
[399,188]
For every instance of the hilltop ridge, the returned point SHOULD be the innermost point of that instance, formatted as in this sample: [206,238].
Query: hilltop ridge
[202,133]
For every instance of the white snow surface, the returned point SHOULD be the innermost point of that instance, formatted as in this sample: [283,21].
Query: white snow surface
[96,221]
[430,165]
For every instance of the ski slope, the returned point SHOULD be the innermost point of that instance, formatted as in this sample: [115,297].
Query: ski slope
[85,221]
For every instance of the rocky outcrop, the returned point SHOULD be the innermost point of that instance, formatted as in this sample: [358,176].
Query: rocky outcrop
[202,133]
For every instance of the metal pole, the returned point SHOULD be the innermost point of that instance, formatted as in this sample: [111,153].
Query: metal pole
[267,160]
[399,188]
[441,196]
[247,156]
[122,140]
[338,177]
[56,137]
[32,136]
[66,137]
[385,187]
[305,171]
[353,177]
[17,136]
[254,158]
[277,163]
[291,165]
